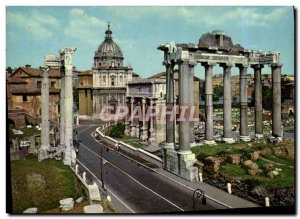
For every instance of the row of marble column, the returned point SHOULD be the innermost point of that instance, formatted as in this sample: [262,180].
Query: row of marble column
[186,129]
[132,127]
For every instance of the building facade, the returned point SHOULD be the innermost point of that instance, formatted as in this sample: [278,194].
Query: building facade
[105,84]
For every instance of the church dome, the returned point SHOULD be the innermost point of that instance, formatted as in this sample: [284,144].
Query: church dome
[108,48]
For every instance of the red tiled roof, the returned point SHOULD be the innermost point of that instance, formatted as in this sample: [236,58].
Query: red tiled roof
[36,72]
[87,72]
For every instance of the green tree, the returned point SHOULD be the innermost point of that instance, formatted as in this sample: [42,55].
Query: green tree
[9,69]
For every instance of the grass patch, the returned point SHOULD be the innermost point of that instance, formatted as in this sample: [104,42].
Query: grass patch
[214,150]
[27,132]
[42,184]
[133,141]
[233,170]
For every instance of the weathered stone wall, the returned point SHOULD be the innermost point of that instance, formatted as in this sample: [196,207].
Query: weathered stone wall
[85,102]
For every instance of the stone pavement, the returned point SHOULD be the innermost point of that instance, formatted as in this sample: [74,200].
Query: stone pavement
[218,195]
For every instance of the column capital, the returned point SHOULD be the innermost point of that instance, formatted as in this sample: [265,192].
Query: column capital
[45,70]
[226,65]
[257,66]
[276,65]
[192,62]
[242,65]
[152,101]
[166,63]
[132,100]
[207,64]
[144,100]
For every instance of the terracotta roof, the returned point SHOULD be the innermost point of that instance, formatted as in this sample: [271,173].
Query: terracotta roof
[36,72]
[87,72]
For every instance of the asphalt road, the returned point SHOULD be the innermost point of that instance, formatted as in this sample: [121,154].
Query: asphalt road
[142,190]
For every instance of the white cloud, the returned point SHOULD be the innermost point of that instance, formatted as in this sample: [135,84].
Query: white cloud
[83,27]
[208,16]
[39,25]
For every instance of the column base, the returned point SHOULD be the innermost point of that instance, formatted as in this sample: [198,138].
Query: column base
[152,136]
[144,134]
[169,145]
[45,147]
[137,131]
[133,132]
[275,139]
[209,142]
[69,156]
[127,132]
[245,138]
[259,136]
[229,140]
[181,164]
[185,152]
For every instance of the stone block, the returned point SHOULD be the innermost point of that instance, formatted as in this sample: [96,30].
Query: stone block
[30,211]
[212,164]
[266,151]
[247,164]
[234,158]
[272,173]
[187,169]
[268,166]
[66,204]
[171,161]
[94,193]
[79,200]
[93,209]
[254,156]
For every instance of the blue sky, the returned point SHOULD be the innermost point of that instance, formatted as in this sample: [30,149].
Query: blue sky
[32,32]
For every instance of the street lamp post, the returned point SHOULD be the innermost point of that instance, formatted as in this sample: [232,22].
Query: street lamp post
[101,166]
[198,193]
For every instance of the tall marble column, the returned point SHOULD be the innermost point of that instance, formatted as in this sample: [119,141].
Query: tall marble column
[258,101]
[227,126]
[137,120]
[170,128]
[152,131]
[132,125]
[192,65]
[62,108]
[144,128]
[244,133]
[276,87]
[66,57]
[45,109]
[184,123]
[127,122]
[209,133]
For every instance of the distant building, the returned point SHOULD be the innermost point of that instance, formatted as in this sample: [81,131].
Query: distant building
[24,95]
[105,84]
[153,90]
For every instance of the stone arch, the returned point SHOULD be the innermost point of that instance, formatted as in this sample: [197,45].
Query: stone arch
[11,123]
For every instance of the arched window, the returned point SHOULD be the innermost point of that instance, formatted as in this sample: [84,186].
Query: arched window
[112,81]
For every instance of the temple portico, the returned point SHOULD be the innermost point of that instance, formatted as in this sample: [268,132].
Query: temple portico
[216,49]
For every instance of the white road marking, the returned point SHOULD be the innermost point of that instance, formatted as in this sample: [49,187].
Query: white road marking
[129,208]
[135,180]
